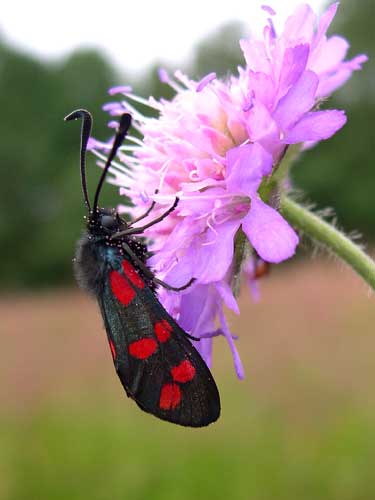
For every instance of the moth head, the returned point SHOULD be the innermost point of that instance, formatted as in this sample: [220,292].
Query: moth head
[107,220]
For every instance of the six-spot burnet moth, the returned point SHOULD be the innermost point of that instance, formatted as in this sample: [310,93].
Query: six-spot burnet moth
[154,359]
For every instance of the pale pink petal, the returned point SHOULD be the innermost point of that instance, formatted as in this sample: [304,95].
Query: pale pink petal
[220,142]
[196,310]
[324,23]
[213,255]
[316,126]
[204,347]
[163,75]
[205,81]
[197,314]
[198,203]
[356,63]
[300,26]
[228,335]
[294,63]
[255,54]
[270,234]
[196,260]
[237,130]
[329,55]
[246,167]
[335,80]
[226,294]
[262,88]
[120,89]
[260,123]
[299,100]
[268,9]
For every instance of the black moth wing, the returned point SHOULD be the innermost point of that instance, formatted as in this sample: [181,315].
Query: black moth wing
[173,382]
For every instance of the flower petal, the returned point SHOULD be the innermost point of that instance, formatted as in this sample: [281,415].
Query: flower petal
[262,88]
[268,9]
[316,126]
[340,76]
[256,56]
[271,236]
[325,22]
[261,124]
[226,294]
[294,63]
[198,310]
[204,347]
[300,25]
[299,100]
[329,55]
[207,258]
[246,166]
[205,81]
[228,335]
[213,256]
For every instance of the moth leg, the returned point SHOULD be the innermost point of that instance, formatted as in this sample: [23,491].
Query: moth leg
[150,275]
[191,337]
[138,230]
[145,270]
[148,211]
[173,288]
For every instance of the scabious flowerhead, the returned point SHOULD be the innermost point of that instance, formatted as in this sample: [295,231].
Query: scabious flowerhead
[218,145]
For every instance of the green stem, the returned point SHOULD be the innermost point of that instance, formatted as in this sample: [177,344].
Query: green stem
[241,253]
[322,232]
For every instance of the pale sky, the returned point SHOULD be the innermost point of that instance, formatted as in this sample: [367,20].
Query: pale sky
[134,34]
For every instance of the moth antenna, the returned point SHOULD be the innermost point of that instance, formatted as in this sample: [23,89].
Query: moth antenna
[124,125]
[85,136]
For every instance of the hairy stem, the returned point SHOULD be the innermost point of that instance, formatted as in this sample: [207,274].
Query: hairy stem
[321,231]
[241,254]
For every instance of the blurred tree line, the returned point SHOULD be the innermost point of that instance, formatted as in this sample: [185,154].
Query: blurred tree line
[41,206]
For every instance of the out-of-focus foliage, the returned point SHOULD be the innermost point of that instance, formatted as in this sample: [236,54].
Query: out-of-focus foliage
[219,52]
[40,200]
[41,205]
[340,173]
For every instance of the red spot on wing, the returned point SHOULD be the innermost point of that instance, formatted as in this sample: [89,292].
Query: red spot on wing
[170,396]
[132,274]
[113,350]
[121,289]
[142,349]
[184,372]
[163,330]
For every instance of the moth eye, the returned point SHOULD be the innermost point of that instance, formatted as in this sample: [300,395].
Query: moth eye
[108,221]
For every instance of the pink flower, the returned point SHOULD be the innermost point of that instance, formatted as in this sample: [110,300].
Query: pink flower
[276,55]
[216,145]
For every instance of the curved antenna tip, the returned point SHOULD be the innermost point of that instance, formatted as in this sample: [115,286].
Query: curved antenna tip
[78,113]
[85,135]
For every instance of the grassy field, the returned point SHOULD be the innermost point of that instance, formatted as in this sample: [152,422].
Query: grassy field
[301,425]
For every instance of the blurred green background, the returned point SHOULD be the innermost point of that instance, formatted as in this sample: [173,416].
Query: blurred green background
[301,426]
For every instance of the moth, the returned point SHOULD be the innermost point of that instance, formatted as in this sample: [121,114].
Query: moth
[153,356]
